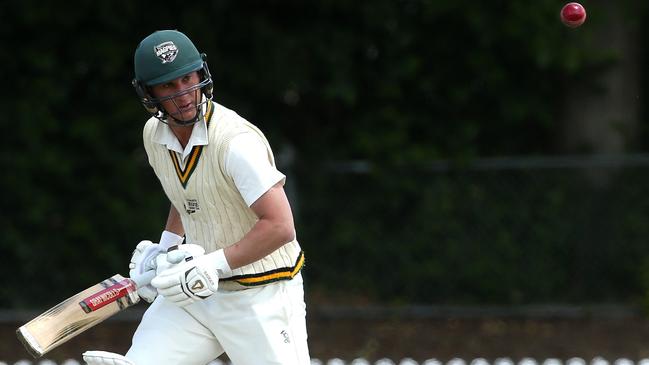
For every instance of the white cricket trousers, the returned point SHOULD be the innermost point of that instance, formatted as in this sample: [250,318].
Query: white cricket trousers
[256,326]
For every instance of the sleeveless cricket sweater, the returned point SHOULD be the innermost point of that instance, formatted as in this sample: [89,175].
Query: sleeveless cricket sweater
[213,212]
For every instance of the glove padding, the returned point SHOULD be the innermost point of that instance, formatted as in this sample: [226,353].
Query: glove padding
[105,358]
[143,260]
[195,279]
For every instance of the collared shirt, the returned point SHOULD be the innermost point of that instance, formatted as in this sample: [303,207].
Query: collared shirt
[166,137]
[246,159]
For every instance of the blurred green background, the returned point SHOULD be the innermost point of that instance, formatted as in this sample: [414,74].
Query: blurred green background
[437,152]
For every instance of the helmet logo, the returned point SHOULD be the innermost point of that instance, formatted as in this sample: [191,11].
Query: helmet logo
[166,51]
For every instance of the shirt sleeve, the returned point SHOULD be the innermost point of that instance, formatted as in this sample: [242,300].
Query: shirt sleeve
[246,160]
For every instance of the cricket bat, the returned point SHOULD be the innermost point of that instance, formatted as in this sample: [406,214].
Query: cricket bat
[92,306]
[80,312]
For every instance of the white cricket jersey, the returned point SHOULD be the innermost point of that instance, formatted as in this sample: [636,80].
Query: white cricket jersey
[226,166]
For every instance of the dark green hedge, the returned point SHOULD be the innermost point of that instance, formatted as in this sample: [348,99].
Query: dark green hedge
[513,236]
[391,82]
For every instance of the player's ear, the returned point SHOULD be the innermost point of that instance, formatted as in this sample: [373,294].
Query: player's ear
[145,97]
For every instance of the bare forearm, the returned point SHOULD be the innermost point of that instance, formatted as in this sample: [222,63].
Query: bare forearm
[274,228]
[174,223]
[265,237]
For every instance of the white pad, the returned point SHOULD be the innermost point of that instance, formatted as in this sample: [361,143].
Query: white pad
[105,358]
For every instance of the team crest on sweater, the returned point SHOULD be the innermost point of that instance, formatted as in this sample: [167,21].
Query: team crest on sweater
[191,206]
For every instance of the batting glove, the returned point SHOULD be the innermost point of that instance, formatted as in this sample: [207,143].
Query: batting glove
[144,260]
[195,279]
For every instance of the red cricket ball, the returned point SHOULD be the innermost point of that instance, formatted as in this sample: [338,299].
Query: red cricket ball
[573,15]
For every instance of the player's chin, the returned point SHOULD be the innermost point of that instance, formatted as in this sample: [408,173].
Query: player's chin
[184,117]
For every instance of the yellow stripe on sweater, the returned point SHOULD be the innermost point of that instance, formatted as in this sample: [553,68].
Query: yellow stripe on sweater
[270,276]
[183,175]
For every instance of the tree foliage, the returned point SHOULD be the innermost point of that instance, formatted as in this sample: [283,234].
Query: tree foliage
[393,82]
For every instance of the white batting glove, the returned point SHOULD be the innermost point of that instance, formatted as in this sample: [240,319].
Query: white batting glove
[141,262]
[144,260]
[195,279]
[105,358]
[177,255]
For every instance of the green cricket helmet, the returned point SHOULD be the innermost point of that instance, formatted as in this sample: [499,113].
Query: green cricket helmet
[164,56]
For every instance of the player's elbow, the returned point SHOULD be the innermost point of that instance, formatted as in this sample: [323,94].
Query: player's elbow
[282,231]
[285,233]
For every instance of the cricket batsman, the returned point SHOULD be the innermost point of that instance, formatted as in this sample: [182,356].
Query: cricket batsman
[239,291]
